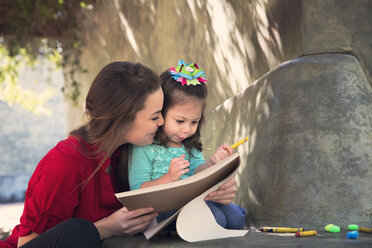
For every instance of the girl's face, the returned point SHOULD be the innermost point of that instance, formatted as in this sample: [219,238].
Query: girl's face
[142,130]
[182,120]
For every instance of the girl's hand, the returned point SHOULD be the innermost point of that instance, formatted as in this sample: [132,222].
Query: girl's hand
[224,194]
[125,222]
[221,153]
[177,168]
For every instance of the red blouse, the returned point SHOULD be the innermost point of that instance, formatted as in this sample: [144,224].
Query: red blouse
[55,192]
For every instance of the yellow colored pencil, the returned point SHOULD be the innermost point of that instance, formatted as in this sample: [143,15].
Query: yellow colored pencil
[306,233]
[365,229]
[281,229]
[239,143]
[287,230]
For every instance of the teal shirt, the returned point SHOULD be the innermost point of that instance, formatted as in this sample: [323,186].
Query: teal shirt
[148,163]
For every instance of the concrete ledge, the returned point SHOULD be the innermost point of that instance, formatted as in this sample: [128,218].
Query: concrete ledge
[252,239]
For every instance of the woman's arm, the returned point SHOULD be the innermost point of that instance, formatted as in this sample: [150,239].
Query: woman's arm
[23,240]
[224,194]
[125,222]
[121,222]
[54,178]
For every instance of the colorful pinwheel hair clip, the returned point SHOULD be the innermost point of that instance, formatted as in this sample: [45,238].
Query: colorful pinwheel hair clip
[188,74]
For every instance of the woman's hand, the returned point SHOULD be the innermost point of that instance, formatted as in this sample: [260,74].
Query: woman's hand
[221,152]
[224,194]
[125,222]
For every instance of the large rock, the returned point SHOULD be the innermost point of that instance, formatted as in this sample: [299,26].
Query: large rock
[309,160]
[338,26]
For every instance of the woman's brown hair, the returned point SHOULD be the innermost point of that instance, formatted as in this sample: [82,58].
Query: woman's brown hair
[115,96]
[175,93]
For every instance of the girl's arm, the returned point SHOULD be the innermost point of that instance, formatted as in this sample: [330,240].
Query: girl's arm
[177,168]
[56,180]
[221,153]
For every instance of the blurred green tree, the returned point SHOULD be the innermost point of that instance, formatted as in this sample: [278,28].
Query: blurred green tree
[30,29]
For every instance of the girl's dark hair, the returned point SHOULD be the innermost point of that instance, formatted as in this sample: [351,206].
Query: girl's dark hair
[117,93]
[175,93]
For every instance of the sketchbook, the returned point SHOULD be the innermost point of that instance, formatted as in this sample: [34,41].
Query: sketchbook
[195,221]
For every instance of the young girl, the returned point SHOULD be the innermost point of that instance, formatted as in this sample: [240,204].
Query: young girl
[177,151]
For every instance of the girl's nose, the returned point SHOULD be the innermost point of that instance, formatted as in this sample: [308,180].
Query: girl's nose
[186,129]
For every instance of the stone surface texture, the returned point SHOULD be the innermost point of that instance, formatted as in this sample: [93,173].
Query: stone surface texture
[309,158]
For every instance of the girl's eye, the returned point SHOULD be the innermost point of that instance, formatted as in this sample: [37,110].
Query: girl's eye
[155,118]
[195,122]
[179,121]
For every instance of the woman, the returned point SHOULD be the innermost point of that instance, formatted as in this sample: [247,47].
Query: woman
[70,199]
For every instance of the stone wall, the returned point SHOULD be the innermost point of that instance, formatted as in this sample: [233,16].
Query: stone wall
[338,26]
[235,42]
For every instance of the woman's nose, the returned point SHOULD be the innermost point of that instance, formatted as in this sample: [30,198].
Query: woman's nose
[161,121]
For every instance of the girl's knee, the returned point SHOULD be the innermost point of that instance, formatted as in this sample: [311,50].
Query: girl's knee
[217,213]
[235,216]
[236,209]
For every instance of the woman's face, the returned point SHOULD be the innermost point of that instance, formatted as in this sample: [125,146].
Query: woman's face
[142,130]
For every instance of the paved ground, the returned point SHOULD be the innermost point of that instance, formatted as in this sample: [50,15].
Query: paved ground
[10,214]
[253,239]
